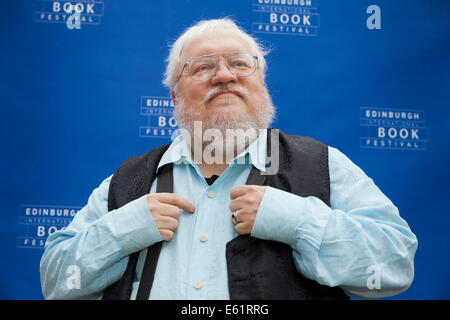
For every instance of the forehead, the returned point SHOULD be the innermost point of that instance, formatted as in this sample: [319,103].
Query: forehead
[212,42]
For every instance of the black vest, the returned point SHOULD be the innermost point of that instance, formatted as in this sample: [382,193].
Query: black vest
[257,269]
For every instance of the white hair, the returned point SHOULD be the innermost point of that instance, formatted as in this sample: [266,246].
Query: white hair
[197,30]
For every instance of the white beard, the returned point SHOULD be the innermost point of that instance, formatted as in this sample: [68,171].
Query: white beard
[225,134]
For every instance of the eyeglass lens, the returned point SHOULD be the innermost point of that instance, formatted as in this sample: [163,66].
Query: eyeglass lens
[204,67]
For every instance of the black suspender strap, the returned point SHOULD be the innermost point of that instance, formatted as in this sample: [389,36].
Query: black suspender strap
[256,177]
[164,184]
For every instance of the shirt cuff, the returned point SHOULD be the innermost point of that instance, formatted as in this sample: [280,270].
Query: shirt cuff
[132,226]
[291,219]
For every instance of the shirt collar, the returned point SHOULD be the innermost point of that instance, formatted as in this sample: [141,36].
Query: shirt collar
[256,152]
[177,152]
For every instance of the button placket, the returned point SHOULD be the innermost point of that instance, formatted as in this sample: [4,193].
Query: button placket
[197,267]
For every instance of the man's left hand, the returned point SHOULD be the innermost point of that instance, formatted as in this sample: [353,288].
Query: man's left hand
[245,201]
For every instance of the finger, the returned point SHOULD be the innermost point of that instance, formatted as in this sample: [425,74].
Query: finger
[162,209]
[243,228]
[168,223]
[235,205]
[167,235]
[240,203]
[168,210]
[238,191]
[243,215]
[174,199]
[234,218]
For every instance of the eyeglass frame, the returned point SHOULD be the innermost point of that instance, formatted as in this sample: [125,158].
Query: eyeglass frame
[217,65]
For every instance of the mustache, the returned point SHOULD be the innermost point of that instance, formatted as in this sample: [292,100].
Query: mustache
[241,91]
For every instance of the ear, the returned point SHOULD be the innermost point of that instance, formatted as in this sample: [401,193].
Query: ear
[174,97]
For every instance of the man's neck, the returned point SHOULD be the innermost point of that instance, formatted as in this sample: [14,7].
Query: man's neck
[208,170]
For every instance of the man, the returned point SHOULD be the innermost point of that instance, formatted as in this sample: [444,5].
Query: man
[271,216]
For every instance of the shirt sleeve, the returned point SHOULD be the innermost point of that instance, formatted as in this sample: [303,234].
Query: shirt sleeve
[80,261]
[360,243]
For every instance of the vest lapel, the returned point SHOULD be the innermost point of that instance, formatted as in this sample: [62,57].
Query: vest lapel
[255,177]
[264,270]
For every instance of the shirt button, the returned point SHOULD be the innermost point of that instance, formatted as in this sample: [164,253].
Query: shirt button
[203,237]
[211,194]
[197,285]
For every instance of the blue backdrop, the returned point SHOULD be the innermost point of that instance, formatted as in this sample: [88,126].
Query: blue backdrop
[80,91]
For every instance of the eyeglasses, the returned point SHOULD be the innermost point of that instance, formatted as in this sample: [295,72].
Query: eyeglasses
[204,68]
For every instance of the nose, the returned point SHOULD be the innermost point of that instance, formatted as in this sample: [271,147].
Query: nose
[223,74]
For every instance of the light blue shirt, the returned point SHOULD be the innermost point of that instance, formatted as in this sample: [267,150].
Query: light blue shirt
[360,243]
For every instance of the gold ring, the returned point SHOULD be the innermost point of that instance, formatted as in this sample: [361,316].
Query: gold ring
[235,217]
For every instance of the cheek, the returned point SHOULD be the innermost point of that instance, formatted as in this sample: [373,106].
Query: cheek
[257,97]
[194,97]
[191,102]
[188,91]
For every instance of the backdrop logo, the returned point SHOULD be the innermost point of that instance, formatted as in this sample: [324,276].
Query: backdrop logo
[72,13]
[387,128]
[292,17]
[42,221]
[159,114]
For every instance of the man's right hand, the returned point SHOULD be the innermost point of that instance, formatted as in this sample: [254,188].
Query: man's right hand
[165,210]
